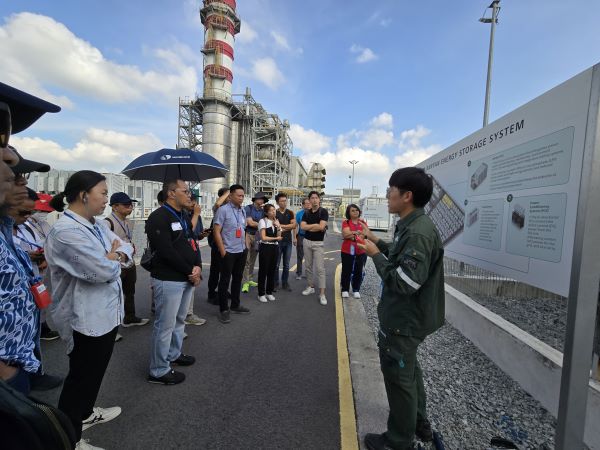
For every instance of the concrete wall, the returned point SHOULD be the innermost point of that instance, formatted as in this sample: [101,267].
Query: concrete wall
[533,364]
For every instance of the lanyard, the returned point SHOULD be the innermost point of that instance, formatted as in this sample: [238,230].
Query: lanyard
[34,223]
[127,231]
[179,218]
[22,238]
[95,231]
[236,215]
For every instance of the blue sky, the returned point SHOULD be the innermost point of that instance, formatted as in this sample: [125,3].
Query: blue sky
[386,83]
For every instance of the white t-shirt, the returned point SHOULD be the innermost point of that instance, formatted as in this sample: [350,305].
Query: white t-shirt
[266,223]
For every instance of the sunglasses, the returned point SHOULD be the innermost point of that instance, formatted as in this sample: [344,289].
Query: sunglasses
[5,125]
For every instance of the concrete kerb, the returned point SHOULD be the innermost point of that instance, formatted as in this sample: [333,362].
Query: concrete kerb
[370,399]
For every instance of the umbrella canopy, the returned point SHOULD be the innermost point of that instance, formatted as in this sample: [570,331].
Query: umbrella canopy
[167,164]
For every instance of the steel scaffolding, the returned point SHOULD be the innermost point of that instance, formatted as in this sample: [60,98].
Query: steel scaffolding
[261,147]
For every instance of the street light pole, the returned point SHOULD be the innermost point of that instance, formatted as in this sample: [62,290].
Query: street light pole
[494,20]
[353,162]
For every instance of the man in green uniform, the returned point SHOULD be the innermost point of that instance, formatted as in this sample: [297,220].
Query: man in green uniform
[411,306]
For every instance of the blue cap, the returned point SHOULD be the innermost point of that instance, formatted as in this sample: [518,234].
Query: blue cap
[121,198]
[25,108]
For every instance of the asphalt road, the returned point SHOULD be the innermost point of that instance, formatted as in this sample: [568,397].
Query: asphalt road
[268,380]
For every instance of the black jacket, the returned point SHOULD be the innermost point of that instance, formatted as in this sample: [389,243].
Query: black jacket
[175,257]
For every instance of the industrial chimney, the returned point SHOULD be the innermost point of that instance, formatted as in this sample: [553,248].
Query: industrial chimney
[221,24]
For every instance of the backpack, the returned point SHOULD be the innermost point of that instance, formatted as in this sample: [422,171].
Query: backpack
[112,225]
[32,425]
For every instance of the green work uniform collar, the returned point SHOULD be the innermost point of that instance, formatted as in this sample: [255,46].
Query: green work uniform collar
[403,223]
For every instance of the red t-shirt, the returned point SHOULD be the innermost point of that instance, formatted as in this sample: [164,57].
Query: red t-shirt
[347,244]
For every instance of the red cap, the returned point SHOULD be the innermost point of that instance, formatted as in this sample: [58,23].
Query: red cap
[43,204]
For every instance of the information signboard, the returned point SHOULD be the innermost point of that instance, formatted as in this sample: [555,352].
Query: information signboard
[505,197]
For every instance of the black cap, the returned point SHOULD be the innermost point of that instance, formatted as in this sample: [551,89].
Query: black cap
[25,108]
[260,195]
[27,165]
[121,198]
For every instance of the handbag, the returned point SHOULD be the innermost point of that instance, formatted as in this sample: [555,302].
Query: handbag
[147,256]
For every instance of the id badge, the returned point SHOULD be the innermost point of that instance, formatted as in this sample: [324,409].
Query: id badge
[238,233]
[41,295]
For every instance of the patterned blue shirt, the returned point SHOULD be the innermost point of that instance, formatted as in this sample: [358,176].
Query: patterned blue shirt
[18,312]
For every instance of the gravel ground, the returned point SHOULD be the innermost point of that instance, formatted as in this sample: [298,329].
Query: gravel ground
[543,318]
[470,400]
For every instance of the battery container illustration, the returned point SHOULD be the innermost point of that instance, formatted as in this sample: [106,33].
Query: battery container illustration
[518,216]
[472,217]
[479,176]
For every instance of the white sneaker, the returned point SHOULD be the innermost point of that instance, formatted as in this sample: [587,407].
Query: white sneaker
[100,415]
[357,295]
[322,300]
[118,337]
[309,290]
[270,297]
[345,294]
[262,299]
[85,445]
[193,319]
[298,277]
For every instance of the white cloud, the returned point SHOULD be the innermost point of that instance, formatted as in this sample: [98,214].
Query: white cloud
[413,151]
[100,150]
[376,138]
[308,141]
[363,54]
[266,71]
[35,46]
[280,40]
[383,120]
[247,34]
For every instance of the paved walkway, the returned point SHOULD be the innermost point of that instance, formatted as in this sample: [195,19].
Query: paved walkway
[267,380]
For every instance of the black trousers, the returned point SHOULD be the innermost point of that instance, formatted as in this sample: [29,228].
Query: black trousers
[87,364]
[267,263]
[215,272]
[128,278]
[352,270]
[232,270]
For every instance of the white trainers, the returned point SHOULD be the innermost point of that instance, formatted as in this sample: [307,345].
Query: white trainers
[345,294]
[118,337]
[298,277]
[357,295]
[309,290]
[262,299]
[322,300]
[193,319]
[100,415]
[270,297]
[84,444]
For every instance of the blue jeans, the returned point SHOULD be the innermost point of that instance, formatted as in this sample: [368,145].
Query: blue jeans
[172,299]
[285,253]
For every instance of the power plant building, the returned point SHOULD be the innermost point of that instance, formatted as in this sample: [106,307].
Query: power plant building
[235,129]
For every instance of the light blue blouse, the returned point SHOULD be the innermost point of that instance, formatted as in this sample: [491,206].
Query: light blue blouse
[86,286]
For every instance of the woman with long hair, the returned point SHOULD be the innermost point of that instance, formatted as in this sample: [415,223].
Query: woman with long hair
[353,257]
[84,258]
[270,235]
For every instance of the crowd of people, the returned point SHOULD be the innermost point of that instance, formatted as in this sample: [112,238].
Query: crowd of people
[79,273]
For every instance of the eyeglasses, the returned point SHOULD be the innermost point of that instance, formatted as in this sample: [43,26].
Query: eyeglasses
[25,212]
[388,191]
[185,191]
[5,125]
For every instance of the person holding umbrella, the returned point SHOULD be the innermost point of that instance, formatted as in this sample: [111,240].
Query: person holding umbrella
[176,270]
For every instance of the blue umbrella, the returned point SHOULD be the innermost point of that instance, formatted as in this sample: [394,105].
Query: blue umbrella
[182,163]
